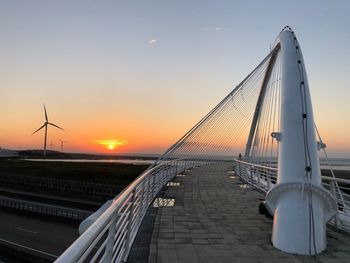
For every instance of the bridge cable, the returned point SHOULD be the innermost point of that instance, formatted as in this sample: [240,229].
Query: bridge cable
[217,132]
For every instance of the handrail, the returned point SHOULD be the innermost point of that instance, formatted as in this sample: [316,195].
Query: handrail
[264,178]
[257,165]
[324,178]
[82,243]
[117,226]
[339,180]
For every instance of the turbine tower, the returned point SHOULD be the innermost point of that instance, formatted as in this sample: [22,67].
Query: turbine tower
[51,144]
[46,123]
[62,142]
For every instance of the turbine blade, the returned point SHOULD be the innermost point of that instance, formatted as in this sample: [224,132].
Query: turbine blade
[39,129]
[45,113]
[56,126]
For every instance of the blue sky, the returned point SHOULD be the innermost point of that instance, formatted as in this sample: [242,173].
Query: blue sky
[151,62]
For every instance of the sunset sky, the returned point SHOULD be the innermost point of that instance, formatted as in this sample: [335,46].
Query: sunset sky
[141,73]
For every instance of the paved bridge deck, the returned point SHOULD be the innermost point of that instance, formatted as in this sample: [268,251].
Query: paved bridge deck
[216,219]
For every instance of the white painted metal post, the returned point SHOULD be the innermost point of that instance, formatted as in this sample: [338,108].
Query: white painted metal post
[129,227]
[177,167]
[334,193]
[110,242]
[154,183]
[150,189]
[301,206]
[143,202]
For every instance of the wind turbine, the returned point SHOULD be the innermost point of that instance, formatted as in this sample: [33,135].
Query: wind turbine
[51,144]
[62,142]
[46,123]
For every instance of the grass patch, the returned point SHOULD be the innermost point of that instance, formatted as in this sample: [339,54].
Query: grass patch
[104,173]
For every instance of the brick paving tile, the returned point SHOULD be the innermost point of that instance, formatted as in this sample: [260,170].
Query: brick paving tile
[216,220]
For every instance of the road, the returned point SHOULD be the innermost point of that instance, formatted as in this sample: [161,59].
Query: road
[35,236]
[51,199]
[42,208]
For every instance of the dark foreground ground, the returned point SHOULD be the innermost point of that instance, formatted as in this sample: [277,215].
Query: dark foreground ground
[27,236]
[105,173]
[45,177]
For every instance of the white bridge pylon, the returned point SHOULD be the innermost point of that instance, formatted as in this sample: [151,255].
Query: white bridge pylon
[300,205]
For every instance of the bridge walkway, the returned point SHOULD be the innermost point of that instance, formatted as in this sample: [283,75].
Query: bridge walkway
[216,219]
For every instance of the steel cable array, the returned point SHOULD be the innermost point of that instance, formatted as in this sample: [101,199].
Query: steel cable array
[264,148]
[219,135]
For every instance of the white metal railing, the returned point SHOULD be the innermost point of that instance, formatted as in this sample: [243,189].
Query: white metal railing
[110,237]
[259,176]
[265,177]
[340,189]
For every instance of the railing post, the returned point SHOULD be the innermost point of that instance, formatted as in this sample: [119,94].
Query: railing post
[251,174]
[268,178]
[110,242]
[150,189]
[144,193]
[334,193]
[164,171]
[160,178]
[168,172]
[154,183]
[164,175]
[129,227]
[176,167]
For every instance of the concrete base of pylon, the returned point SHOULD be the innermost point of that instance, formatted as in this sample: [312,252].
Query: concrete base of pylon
[301,212]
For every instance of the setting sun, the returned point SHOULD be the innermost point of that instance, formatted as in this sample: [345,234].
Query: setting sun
[111,144]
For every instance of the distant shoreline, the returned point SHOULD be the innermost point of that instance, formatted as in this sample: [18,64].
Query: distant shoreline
[38,154]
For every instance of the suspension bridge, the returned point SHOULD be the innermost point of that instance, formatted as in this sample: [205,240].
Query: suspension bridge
[257,150]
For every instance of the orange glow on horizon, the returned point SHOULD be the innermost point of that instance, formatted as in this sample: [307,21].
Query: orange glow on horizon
[111,144]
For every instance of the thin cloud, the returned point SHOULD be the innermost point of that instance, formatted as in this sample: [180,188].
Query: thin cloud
[217,28]
[152,41]
[111,144]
